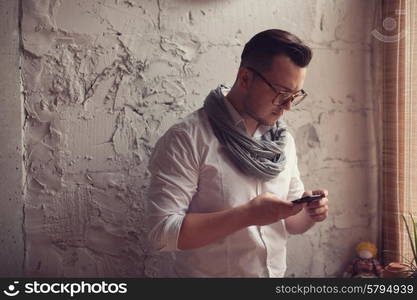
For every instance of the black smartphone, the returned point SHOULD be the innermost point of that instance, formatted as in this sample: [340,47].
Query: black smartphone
[307,199]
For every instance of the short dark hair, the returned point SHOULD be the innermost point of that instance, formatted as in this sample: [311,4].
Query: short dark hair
[262,47]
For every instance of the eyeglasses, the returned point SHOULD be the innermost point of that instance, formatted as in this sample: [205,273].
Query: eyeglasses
[282,98]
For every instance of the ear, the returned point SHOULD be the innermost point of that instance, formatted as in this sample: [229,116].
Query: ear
[244,78]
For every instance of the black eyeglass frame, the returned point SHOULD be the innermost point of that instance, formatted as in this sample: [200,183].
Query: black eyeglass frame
[282,98]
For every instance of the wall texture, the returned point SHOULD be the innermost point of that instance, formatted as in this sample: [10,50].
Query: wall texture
[104,79]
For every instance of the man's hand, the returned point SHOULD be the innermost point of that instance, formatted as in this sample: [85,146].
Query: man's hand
[318,209]
[200,229]
[267,208]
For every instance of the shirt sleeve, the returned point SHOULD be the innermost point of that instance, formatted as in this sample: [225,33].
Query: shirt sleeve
[174,179]
[296,188]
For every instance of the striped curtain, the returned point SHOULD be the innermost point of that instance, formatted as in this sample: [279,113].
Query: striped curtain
[410,122]
[397,39]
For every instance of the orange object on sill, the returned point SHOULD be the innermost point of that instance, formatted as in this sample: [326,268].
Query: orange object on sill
[396,270]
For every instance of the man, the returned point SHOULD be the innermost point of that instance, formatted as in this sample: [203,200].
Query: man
[222,178]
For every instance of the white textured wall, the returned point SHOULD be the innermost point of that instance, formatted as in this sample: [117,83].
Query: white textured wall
[103,80]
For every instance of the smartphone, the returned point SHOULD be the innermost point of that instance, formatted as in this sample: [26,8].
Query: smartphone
[307,199]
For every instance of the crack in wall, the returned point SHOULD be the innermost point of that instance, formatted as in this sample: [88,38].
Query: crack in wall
[158,2]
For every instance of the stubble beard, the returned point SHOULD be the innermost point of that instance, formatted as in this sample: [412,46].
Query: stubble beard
[259,119]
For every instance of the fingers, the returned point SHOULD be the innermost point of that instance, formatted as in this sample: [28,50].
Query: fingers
[316,192]
[318,210]
[321,192]
[318,203]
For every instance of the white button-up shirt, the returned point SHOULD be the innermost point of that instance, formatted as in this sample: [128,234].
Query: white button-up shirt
[191,173]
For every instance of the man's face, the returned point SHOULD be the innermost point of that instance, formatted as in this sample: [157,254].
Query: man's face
[284,76]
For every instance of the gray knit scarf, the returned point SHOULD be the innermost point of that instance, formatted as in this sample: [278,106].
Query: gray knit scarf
[264,158]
